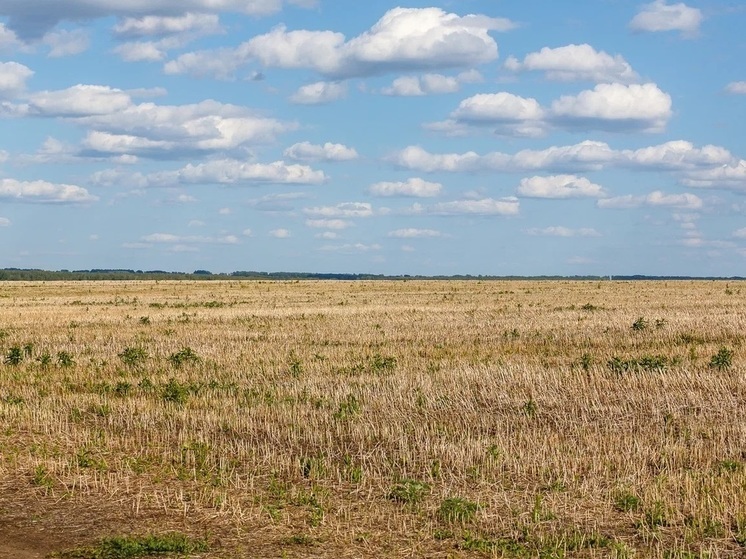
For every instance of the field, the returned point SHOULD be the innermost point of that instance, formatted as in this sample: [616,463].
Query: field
[374,419]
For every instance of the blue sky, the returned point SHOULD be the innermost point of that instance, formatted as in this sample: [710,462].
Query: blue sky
[472,137]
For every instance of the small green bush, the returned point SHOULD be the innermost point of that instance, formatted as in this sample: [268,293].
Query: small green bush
[129,547]
[456,510]
[722,360]
[409,491]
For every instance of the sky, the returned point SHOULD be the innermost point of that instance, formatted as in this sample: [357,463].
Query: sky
[484,137]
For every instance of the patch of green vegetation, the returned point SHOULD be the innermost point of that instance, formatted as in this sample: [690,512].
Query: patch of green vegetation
[645,363]
[133,356]
[130,547]
[184,355]
[409,491]
[722,360]
[456,510]
[624,501]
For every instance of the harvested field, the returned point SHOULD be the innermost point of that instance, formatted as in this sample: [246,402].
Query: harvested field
[371,419]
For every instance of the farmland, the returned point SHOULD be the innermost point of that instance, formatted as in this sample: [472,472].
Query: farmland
[370,419]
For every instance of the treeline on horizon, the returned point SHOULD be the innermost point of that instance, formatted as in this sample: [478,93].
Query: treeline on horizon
[21,274]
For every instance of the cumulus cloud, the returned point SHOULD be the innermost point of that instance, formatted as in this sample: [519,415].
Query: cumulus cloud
[404,39]
[168,238]
[319,93]
[412,233]
[704,162]
[161,34]
[13,78]
[560,231]
[575,63]
[31,19]
[79,100]
[729,176]
[66,43]
[328,223]
[615,107]
[280,234]
[657,198]
[306,151]
[162,131]
[477,207]
[4,222]
[231,171]
[559,186]
[159,26]
[414,187]
[660,16]
[343,210]
[736,88]
[43,192]
[351,247]
[430,84]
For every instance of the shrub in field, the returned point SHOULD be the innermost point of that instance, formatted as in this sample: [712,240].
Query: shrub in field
[409,491]
[722,360]
[14,356]
[184,355]
[640,324]
[65,359]
[175,392]
[625,501]
[131,547]
[133,356]
[456,510]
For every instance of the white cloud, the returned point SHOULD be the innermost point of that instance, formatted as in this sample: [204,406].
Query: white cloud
[328,223]
[677,155]
[319,93]
[4,222]
[484,207]
[412,233]
[327,235]
[26,19]
[66,43]
[404,39]
[153,25]
[231,171]
[414,187]
[657,198]
[186,242]
[731,176]
[660,16]
[152,130]
[575,62]
[737,88]
[306,151]
[587,155]
[247,233]
[430,84]
[559,186]
[740,233]
[351,247]
[560,231]
[615,107]
[141,51]
[345,209]
[79,100]
[43,192]
[498,107]
[280,234]
[13,78]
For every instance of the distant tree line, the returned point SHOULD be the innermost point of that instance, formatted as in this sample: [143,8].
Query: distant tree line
[20,274]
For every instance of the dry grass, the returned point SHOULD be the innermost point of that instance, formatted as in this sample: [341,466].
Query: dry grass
[401,419]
